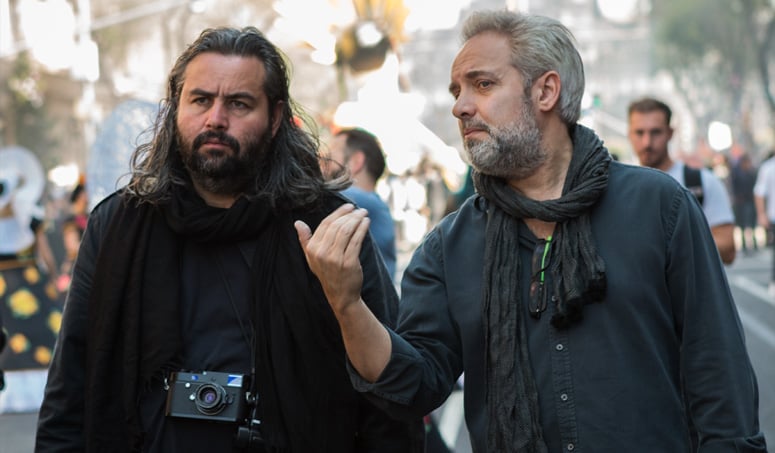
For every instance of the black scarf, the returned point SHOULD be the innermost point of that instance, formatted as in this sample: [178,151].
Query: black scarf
[134,332]
[578,274]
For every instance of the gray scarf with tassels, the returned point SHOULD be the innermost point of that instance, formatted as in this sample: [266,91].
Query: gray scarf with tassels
[578,274]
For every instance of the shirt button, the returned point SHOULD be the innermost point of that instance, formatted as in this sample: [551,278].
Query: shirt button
[571,447]
[554,298]
[559,347]
[564,397]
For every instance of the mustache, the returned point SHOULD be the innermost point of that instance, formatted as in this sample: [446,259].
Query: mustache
[476,124]
[220,136]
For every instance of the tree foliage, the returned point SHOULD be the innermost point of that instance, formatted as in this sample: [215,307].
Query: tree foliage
[715,51]
[25,120]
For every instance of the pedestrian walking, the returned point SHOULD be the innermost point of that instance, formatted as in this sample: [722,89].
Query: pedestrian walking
[649,132]
[764,198]
[742,181]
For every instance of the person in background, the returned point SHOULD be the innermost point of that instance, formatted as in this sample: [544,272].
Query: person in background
[357,153]
[73,226]
[583,298]
[742,178]
[649,132]
[30,313]
[193,323]
[764,199]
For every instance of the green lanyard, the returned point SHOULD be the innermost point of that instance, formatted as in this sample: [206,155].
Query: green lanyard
[543,257]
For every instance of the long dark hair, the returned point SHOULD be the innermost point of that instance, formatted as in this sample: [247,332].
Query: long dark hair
[289,172]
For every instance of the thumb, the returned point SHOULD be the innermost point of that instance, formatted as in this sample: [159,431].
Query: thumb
[304,232]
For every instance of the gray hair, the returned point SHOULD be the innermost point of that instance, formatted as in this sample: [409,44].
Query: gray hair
[538,44]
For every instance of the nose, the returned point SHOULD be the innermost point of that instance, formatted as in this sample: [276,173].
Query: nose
[645,141]
[217,117]
[463,107]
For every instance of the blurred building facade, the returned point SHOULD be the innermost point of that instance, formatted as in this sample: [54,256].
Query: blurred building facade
[137,41]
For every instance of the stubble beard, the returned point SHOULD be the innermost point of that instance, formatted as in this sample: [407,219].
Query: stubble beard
[222,173]
[511,152]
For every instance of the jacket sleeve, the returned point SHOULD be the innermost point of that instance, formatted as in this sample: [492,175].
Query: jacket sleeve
[60,420]
[426,358]
[720,386]
[377,431]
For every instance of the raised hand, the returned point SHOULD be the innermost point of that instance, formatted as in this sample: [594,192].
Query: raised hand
[333,252]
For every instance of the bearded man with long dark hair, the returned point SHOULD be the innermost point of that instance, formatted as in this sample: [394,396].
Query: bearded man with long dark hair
[193,322]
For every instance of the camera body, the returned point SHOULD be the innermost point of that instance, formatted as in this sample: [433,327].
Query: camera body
[209,395]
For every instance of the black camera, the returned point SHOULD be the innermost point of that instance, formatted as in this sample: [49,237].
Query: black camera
[209,395]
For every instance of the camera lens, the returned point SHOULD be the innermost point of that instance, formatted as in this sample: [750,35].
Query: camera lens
[210,398]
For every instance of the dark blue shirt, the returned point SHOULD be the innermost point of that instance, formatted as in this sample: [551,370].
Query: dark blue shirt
[667,332]
[381,228]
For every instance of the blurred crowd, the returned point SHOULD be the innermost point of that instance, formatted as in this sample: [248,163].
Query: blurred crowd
[38,247]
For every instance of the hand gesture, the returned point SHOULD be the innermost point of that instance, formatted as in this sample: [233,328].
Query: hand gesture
[333,253]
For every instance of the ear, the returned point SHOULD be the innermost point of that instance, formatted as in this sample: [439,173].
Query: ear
[277,116]
[546,91]
[356,162]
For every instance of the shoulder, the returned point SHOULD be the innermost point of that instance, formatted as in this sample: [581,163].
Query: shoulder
[461,228]
[105,210]
[636,192]
[324,205]
[629,178]
[708,175]
[766,168]
[472,210]
[364,199]
[354,193]
[712,184]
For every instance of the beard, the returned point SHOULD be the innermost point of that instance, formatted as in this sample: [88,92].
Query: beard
[221,173]
[513,151]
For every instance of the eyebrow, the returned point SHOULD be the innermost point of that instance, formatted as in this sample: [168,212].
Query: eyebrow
[230,96]
[472,75]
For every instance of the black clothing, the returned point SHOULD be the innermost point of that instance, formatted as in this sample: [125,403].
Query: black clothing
[577,271]
[131,291]
[616,381]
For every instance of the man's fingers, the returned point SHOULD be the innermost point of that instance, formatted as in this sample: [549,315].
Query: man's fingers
[334,236]
[353,249]
[338,213]
[304,232]
[343,228]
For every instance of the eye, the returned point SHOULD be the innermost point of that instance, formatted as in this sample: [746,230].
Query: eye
[454,90]
[483,84]
[241,105]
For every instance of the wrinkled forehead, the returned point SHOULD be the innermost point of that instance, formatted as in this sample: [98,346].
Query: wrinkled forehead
[488,52]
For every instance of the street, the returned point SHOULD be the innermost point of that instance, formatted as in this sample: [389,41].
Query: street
[748,278]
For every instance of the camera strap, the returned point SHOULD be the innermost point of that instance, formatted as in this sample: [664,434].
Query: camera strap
[250,431]
[250,338]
